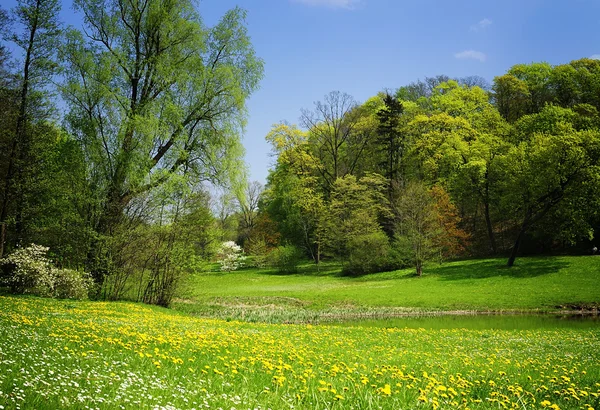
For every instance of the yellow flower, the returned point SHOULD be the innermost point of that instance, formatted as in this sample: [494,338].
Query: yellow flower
[387,390]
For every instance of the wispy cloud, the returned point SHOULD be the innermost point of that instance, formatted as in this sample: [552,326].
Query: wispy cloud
[332,4]
[482,25]
[470,55]
[595,57]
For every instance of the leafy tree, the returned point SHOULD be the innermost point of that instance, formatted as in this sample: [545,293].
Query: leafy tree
[459,145]
[389,136]
[418,226]
[153,94]
[38,38]
[545,170]
[353,212]
[511,96]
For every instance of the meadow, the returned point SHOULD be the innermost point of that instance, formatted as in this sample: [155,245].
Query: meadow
[537,284]
[99,355]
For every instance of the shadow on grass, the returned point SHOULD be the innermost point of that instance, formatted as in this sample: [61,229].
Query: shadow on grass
[525,268]
[306,269]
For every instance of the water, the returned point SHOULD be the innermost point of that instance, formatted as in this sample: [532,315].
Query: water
[484,322]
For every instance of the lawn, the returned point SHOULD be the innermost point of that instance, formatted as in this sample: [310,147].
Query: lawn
[533,284]
[80,355]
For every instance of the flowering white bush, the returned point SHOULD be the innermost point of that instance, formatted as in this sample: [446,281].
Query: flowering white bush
[28,270]
[230,256]
[71,284]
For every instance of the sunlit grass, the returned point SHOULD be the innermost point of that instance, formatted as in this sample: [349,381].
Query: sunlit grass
[58,354]
[534,284]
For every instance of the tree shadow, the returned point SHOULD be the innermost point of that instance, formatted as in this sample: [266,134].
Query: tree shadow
[524,268]
[307,269]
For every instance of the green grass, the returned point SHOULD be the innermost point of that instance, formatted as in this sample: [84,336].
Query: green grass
[533,284]
[79,355]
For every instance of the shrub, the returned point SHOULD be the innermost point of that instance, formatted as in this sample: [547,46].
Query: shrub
[259,253]
[368,253]
[29,271]
[285,258]
[71,284]
[230,256]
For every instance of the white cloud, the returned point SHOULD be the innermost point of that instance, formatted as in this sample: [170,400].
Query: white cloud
[332,4]
[595,57]
[482,25]
[470,55]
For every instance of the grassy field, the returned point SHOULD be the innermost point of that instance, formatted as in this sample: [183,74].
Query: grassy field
[80,355]
[533,284]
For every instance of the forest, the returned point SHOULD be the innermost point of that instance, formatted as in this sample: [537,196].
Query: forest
[122,164]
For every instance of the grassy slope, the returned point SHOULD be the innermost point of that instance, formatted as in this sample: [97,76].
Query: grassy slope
[532,284]
[106,355]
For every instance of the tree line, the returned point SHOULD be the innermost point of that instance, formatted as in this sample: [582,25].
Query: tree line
[443,168]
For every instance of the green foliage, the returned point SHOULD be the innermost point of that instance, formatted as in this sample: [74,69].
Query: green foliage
[157,100]
[418,226]
[353,211]
[369,253]
[29,271]
[285,258]
[258,251]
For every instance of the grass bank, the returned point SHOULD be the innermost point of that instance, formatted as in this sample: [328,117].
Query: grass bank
[532,285]
[62,354]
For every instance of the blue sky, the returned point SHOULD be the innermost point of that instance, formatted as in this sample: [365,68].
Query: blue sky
[311,47]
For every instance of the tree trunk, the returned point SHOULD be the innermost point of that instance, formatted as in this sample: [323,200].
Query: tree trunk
[490,230]
[515,249]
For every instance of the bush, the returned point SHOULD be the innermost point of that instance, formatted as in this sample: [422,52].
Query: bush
[71,284]
[230,256]
[368,253]
[29,271]
[285,258]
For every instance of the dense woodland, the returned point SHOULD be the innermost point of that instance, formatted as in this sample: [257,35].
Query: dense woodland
[111,135]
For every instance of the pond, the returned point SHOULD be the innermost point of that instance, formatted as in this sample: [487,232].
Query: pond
[484,322]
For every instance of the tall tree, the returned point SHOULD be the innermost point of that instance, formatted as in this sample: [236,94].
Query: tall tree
[248,204]
[458,145]
[38,38]
[389,136]
[418,225]
[153,94]
[331,126]
[546,170]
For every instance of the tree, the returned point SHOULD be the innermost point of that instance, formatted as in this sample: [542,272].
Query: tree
[38,40]
[155,95]
[330,130]
[353,212]
[545,170]
[511,96]
[389,136]
[418,226]
[294,196]
[459,145]
[248,205]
